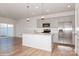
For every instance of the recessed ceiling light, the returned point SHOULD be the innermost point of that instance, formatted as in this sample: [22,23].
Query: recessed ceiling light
[42,16]
[28,18]
[36,7]
[68,6]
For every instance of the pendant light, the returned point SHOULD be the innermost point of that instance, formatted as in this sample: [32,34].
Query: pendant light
[28,17]
[42,11]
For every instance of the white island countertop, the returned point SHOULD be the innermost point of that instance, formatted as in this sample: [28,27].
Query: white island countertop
[38,33]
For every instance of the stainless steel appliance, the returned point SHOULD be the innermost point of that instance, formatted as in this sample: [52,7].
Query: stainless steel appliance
[46,25]
[46,31]
[65,32]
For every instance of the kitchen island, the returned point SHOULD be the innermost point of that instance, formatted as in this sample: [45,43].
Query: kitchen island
[43,41]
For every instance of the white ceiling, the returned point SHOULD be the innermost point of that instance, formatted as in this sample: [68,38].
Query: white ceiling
[19,10]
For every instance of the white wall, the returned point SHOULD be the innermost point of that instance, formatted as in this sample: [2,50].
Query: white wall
[77,29]
[22,26]
[6,20]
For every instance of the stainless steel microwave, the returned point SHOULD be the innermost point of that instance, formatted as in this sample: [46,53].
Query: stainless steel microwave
[46,25]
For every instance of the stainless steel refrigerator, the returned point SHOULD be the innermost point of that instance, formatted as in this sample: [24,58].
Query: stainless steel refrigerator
[65,32]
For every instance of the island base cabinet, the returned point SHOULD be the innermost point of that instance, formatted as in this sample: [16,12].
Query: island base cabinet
[38,41]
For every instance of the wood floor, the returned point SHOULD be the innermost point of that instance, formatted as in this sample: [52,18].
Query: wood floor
[59,50]
[19,50]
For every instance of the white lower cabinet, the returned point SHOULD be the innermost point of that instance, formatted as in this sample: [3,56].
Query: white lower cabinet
[39,41]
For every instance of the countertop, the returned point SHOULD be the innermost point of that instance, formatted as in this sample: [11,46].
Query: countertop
[38,33]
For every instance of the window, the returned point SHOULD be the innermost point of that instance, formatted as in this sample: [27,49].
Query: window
[6,29]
